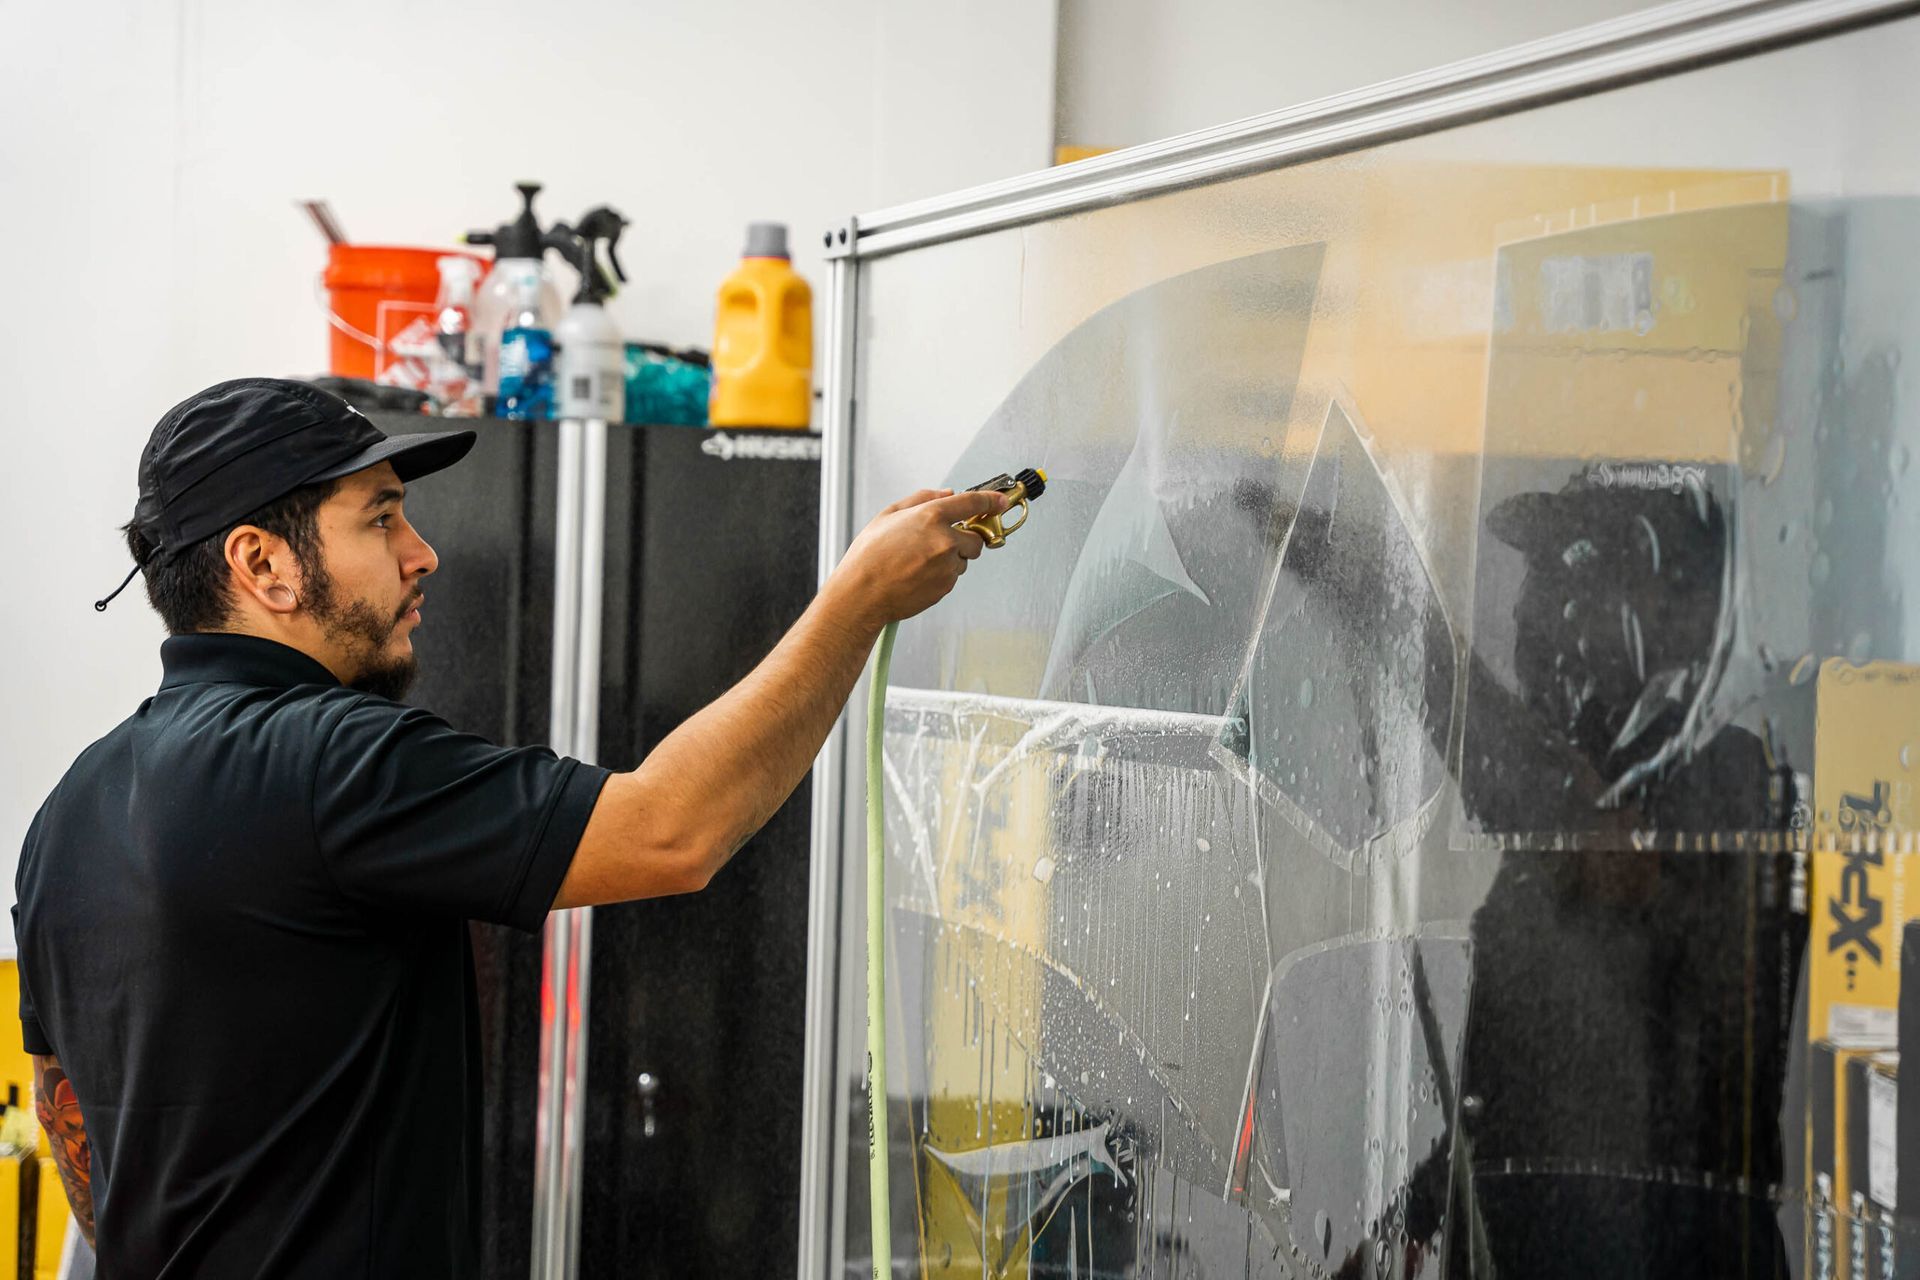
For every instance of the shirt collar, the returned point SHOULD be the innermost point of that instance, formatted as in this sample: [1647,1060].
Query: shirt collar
[209,658]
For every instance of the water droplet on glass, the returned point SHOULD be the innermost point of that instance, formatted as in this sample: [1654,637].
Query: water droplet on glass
[1306,693]
[1774,460]
[1802,670]
[1820,570]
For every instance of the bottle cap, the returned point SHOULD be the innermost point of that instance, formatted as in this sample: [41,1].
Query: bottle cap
[766,240]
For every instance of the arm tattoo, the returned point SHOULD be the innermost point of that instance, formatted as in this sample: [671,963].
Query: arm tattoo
[59,1110]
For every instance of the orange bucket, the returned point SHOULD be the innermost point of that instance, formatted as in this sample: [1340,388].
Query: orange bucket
[373,292]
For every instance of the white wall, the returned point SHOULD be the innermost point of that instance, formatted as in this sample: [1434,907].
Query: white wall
[1134,71]
[151,151]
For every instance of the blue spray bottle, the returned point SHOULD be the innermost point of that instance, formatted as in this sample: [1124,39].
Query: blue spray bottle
[526,359]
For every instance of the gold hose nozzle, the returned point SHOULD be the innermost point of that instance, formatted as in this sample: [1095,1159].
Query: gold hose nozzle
[1020,489]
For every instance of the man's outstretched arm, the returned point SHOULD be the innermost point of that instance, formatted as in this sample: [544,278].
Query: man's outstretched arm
[59,1110]
[667,826]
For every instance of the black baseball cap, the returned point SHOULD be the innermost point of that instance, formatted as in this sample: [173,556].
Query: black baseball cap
[225,452]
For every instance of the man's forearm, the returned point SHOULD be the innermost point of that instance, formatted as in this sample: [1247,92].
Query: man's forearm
[747,751]
[717,778]
[670,824]
[59,1112]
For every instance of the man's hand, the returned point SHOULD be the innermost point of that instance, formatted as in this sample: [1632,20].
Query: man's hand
[910,555]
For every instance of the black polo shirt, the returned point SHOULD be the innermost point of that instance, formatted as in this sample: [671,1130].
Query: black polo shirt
[243,930]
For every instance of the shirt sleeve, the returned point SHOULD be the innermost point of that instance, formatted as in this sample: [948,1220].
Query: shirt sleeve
[410,814]
[33,1037]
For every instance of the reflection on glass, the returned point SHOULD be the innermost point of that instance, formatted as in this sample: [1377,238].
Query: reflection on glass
[1343,711]
[1366,824]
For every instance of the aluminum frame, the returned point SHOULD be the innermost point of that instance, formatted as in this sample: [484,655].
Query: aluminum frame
[1657,42]
[1653,43]
[822,1117]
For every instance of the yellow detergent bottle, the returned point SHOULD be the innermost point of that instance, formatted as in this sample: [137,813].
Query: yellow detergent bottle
[763,339]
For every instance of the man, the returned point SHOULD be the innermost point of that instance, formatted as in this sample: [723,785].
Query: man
[242,914]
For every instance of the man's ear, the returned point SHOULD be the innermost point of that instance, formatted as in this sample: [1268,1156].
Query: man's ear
[261,567]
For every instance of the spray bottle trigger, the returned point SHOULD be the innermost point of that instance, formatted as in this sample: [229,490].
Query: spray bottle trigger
[613,256]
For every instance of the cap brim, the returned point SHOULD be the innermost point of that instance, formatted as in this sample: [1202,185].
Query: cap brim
[412,455]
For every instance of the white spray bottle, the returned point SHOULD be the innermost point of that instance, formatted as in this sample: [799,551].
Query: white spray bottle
[519,252]
[590,367]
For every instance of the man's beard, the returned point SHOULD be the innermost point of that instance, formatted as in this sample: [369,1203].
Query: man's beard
[363,631]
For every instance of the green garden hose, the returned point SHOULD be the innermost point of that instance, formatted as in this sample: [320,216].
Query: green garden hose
[877,959]
[993,531]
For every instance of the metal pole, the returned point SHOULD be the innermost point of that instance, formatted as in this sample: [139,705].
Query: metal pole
[549,1182]
[559,1124]
[585,746]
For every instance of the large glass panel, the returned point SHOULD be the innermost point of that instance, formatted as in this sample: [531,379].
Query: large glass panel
[1402,806]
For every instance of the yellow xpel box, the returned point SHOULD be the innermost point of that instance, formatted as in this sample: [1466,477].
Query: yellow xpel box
[1837,1152]
[1866,744]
